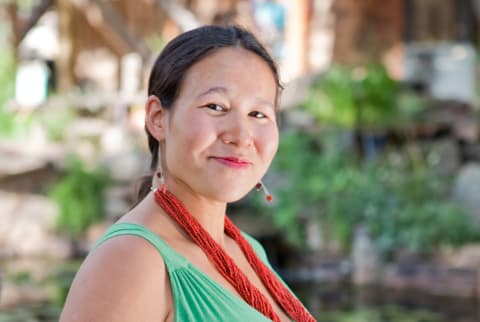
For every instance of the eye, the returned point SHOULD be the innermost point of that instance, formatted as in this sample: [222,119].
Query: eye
[216,107]
[257,114]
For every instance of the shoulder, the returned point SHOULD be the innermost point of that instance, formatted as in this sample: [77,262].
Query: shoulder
[124,279]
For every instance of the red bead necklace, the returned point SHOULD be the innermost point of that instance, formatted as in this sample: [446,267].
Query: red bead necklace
[227,267]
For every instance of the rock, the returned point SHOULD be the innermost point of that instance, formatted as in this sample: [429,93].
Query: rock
[434,279]
[16,159]
[467,190]
[467,256]
[27,227]
[13,295]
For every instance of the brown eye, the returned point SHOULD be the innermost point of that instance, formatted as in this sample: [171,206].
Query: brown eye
[215,107]
[258,115]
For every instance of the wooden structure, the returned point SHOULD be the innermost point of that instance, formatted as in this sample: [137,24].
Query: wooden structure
[124,26]
[368,30]
[364,30]
[120,26]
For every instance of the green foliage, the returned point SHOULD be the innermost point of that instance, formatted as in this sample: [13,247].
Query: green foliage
[403,201]
[355,98]
[80,197]
[30,313]
[20,278]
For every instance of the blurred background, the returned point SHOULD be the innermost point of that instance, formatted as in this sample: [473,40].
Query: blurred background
[376,184]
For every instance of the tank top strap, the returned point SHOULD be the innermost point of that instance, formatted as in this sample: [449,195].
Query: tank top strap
[172,259]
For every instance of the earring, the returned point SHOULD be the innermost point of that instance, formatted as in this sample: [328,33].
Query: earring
[163,185]
[261,186]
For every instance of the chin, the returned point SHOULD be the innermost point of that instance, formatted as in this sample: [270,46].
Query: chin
[231,195]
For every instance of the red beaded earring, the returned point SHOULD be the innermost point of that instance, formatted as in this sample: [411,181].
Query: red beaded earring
[261,186]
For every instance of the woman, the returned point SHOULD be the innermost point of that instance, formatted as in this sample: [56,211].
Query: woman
[212,132]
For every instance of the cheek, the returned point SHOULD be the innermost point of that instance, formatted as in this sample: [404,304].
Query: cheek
[269,143]
[193,132]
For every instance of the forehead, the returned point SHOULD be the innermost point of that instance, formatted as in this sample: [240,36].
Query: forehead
[235,69]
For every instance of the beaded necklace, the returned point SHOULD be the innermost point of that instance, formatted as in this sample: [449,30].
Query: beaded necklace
[227,267]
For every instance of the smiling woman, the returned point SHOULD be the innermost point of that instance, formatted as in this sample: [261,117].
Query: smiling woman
[175,256]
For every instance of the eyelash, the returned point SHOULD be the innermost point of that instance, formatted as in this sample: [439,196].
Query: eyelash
[214,107]
[256,114]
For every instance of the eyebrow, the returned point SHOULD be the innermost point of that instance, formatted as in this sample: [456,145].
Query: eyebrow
[216,89]
[264,102]
[223,90]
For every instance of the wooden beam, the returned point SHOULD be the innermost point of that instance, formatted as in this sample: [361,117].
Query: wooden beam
[32,20]
[109,24]
[116,21]
[297,37]
[12,10]
[65,61]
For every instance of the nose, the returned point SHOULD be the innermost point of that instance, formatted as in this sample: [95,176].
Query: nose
[237,132]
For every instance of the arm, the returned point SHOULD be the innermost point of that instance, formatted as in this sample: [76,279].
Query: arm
[125,279]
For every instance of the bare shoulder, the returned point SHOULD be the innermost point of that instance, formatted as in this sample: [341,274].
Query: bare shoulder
[124,279]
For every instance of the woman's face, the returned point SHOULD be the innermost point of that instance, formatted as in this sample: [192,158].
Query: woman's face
[221,133]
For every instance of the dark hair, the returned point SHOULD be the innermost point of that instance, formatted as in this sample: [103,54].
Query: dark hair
[179,55]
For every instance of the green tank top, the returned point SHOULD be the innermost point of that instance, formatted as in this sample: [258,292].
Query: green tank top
[196,296]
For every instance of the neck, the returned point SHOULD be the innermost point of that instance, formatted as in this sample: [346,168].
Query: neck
[209,213]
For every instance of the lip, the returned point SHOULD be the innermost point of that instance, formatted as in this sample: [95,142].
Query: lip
[233,162]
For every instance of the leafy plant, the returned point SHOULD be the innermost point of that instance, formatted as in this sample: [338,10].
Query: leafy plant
[80,197]
[20,278]
[403,202]
[357,98]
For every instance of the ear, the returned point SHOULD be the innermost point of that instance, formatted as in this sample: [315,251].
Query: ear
[155,117]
